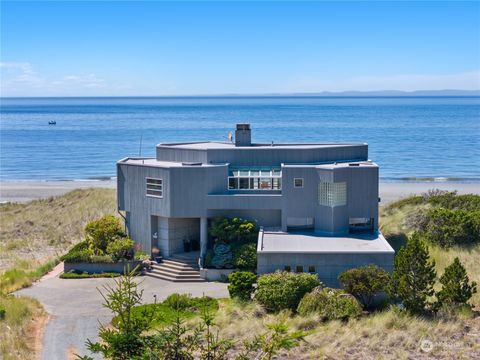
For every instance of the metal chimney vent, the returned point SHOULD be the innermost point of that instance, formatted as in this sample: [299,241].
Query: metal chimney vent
[243,135]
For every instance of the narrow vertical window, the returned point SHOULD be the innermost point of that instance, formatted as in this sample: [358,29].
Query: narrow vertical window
[154,187]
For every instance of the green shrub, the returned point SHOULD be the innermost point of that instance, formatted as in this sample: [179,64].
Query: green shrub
[121,249]
[245,256]
[456,287]
[241,285]
[2,312]
[330,304]
[364,283]
[85,275]
[101,259]
[284,290]
[447,227]
[222,256]
[77,256]
[234,229]
[178,301]
[99,233]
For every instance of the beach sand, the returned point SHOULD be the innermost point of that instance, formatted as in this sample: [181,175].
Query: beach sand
[23,191]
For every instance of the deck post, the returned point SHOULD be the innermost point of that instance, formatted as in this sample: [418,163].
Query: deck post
[203,239]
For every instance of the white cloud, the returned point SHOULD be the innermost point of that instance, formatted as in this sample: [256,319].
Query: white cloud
[20,79]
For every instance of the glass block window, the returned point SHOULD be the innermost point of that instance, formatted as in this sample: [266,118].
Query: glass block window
[332,194]
[154,187]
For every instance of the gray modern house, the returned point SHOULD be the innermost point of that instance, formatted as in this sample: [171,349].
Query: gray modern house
[316,204]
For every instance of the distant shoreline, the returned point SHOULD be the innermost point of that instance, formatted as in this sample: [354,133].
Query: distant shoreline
[27,190]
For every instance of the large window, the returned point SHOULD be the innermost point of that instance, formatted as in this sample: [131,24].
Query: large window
[332,193]
[255,179]
[154,187]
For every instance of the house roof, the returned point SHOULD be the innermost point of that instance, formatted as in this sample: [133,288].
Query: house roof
[207,145]
[311,242]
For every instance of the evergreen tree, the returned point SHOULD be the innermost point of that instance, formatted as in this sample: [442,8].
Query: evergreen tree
[456,289]
[413,275]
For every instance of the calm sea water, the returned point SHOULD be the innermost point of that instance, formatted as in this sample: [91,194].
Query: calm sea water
[413,137]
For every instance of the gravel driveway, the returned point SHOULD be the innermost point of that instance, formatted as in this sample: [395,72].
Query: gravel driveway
[75,306]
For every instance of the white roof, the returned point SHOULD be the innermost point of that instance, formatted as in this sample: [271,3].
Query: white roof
[310,242]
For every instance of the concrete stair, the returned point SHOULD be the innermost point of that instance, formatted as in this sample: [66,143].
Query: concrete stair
[177,269]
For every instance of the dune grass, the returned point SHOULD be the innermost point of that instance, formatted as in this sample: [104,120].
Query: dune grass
[20,329]
[388,334]
[41,230]
[32,237]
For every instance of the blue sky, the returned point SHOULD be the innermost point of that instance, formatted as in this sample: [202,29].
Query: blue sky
[186,48]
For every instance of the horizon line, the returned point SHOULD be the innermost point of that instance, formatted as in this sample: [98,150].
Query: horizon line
[346,93]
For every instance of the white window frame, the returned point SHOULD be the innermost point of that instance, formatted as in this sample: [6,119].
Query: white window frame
[148,181]
[256,175]
[295,181]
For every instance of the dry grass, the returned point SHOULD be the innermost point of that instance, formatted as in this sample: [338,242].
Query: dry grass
[22,328]
[389,334]
[43,229]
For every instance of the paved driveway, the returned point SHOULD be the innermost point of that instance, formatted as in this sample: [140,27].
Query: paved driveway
[75,306]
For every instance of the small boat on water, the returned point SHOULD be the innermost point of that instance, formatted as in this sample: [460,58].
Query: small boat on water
[52,122]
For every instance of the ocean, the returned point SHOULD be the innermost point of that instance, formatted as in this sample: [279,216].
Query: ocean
[411,138]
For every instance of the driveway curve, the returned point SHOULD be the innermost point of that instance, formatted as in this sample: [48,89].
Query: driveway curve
[76,310]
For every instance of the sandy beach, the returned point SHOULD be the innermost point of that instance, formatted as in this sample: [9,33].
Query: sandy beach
[24,191]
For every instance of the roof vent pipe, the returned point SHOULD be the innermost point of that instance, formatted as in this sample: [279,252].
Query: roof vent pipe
[243,135]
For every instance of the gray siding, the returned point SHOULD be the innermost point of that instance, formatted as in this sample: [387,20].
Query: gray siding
[327,265]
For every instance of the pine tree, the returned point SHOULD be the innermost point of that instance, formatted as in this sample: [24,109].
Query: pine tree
[413,275]
[456,289]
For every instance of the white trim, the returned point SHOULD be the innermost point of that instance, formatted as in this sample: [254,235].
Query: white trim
[157,182]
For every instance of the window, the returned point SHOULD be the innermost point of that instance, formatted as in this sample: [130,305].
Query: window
[299,269]
[287,268]
[311,269]
[332,194]
[298,182]
[255,179]
[154,187]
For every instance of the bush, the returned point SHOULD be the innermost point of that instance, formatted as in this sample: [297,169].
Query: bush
[121,249]
[330,304]
[178,301]
[2,312]
[235,229]
[447,227]
[245,256]
[101,232]
[364,283]
[222,256]
[284,290]
[241,285]
[456,288]
[86,275]
[77,256]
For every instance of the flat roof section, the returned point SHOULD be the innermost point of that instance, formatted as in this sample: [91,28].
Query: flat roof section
[206,145]
[311,242]
[152,162]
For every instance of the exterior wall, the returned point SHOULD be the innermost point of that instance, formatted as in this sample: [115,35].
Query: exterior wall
[273,156]
[327,265]
[362,196]
[92,268]
[265,218]
[266,156]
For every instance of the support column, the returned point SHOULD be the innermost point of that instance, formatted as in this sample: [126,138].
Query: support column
[203,239]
